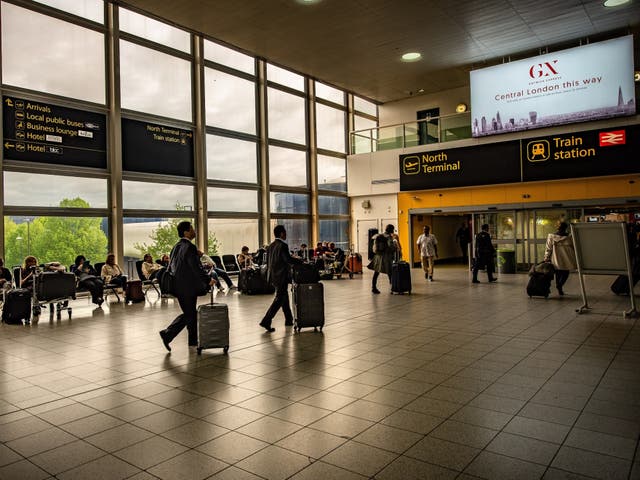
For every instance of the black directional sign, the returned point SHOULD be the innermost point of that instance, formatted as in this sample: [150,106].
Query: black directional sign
[153,148]
[46,133]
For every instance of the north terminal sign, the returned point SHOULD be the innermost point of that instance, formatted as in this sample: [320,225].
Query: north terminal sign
[46,133]
[458,167]
[574,155]
[153,148]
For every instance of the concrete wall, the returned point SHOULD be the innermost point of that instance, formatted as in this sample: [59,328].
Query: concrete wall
[405,110]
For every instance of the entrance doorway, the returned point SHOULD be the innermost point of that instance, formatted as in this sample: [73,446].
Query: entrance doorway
[445,228]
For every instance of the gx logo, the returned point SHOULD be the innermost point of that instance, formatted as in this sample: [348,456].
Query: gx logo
[543,69]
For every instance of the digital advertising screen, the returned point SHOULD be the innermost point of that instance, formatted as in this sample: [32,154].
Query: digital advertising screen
[580,84]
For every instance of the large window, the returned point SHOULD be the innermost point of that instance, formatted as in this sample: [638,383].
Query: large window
[329,93]
[154,82]
[365,106]
[156,196]
[285,77]
[231,58]
[330,128]
[336,231]
[232,200]
[286,113]
[297,231]
[232,234]
[230,102]
[332,173]
[231,159]
[90,9]
[36,190]
[330,205]
[286,202]
[149,235]
[153,30]
[287,167]
[52,56]
[55,239]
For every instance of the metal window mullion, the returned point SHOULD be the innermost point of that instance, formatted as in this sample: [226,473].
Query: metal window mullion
[263,152]
[199,144]
[114,131]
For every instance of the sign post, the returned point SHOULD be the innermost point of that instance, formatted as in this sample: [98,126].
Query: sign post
[602,249]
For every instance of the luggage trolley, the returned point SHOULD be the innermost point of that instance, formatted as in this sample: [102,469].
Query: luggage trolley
[53,289]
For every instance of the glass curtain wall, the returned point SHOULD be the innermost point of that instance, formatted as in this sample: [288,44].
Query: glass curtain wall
[156,64]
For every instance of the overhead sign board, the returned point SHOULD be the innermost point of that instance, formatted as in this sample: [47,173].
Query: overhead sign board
[459,167]
[47,133]
[580,84]
[610,151]
[153,148]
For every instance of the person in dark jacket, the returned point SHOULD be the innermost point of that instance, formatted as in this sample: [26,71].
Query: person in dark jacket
[190,280]
[87,278]
[384,249]
[484,254]
[279,261]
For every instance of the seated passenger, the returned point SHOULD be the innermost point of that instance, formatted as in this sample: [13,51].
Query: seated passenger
[150,269]
[5,277]
[164,260]
[87,279]
[245,259]
[216,273]
[112,273]
[318,251]
[336,252]
[304,252]
[27,272]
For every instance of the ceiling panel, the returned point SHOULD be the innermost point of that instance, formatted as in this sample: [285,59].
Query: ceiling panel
[356,44]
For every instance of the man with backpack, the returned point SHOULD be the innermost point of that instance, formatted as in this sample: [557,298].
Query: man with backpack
[384,250]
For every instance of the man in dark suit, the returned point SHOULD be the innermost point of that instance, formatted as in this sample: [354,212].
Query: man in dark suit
[279,261]
[190,280]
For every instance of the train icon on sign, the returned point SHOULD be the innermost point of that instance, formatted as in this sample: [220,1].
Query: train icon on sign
[538,151]
[411,165]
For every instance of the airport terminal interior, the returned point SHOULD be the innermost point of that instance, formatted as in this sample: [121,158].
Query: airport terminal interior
[121,119]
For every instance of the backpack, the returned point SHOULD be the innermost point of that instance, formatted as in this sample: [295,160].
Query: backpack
[380,244]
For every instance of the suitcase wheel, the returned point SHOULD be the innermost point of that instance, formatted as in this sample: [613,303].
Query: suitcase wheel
[199,351]
[225,350]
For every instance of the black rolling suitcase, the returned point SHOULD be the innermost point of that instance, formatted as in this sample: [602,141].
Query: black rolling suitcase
[54,286]
[308,305]
[253,282]
[305,273]
[400,277]
[620,285]
[17,306]
[540,277]
[213,326]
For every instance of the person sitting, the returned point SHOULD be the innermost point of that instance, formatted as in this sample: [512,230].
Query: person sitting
[245,259]
[216,273]
[5,277]
[164,260]
[304,252]
[88,279]
[112,273]
[27,272]
[318,251]
[259,258]
[336,254]
[149,268]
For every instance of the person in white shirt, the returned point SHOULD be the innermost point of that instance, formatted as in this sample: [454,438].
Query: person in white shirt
[428,245]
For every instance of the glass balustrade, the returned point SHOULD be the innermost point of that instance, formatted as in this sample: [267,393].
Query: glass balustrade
[410,134]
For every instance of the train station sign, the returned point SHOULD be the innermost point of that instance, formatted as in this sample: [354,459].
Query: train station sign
[591,153]
[153,148]
[47,133]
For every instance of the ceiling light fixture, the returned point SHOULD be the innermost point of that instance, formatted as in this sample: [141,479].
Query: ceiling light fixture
[411,57]
[308,2]
[614,3]
[636,76]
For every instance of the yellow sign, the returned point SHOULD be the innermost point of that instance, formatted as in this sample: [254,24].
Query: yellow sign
[411,165]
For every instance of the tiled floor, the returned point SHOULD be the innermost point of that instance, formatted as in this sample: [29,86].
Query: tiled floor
[454,381]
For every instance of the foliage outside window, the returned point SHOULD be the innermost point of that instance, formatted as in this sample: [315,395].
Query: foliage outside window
[54,238]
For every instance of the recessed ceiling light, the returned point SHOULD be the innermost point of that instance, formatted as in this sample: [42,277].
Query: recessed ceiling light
[636,76]
[411,57]
[308,2]
[614,3]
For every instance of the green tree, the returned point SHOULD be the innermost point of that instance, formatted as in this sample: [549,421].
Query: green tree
[58,239]
[164,237]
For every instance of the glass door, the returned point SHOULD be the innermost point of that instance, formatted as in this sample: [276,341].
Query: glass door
[543,222]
